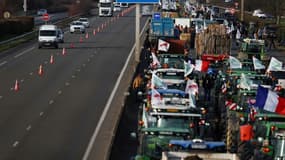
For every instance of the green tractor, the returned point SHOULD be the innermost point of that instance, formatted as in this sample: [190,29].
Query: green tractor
[252,47]
[268,138]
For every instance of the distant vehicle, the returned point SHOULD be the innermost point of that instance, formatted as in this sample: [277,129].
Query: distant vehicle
[147,10]
[117,7]
[60,35]
[48,36]
[77,26]
[105,7]
[41,12]
[85,22]
[258,13]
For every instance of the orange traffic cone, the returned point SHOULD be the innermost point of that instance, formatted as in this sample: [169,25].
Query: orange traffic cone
[41,71]
[63,51]
[94,32]
[102,26]
[51,60]
[87,36]
[98,29]
[17,86]
[80,39]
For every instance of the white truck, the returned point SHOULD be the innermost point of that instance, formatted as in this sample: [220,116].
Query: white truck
[105,7]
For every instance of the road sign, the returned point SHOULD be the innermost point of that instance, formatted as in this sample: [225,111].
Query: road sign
[45,17]
[138,1]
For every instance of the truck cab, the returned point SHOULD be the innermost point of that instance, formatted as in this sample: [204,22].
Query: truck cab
[105,8]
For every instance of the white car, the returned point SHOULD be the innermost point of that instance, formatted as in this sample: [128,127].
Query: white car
[117,7]
[41,12]
[258,13]
[85,21]
[77,26]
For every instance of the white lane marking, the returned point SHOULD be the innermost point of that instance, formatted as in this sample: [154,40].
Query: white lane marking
[3,63]
[42,113]
[22,80]
[1,97]
[73,76]
[29,127]
[50,102]
[31,73]
[67,84]
[108,105]
[59,92]
[15,144]
[84,65]
[25,51]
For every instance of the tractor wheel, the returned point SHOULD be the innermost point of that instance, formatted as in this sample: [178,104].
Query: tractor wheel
[245,150]
[232,132]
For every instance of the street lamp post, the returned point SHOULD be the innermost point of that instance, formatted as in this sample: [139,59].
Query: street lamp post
[242,10]
[25,7]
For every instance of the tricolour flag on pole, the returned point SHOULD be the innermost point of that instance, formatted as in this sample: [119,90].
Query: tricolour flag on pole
[234,63]
[257,63]
[274,65]
[163,45]
[155,61]
[269,101]
[201,65]
[157,82]
[156,98]
[188,68]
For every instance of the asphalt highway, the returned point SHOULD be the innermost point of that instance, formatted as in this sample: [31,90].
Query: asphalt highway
[53,116]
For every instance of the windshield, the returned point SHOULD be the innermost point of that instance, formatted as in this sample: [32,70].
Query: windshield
[83,20]
[47,33]
[172,62]
[169,122]
[171,75]
[76,23]
[105,4]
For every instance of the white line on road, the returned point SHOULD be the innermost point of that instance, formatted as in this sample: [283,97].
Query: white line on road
[107,106]
[59,92]
[50,102]
[3,63]
[29,127]
[42,113]
[15,144]
[25,51]
[1,97]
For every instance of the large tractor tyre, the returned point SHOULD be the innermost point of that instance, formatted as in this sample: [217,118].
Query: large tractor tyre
[231,139]
[245,150]
[232,132]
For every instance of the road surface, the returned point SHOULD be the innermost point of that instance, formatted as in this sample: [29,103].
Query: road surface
[53,116]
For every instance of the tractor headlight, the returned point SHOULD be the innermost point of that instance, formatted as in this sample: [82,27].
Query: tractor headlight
[260,139]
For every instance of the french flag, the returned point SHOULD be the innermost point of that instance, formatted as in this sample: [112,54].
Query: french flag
[270,101]
[201,65]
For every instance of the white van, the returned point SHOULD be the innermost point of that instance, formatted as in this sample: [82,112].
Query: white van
[48,36]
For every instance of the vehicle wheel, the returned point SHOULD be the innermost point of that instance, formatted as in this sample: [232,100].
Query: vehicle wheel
[232,132]
[245,150]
